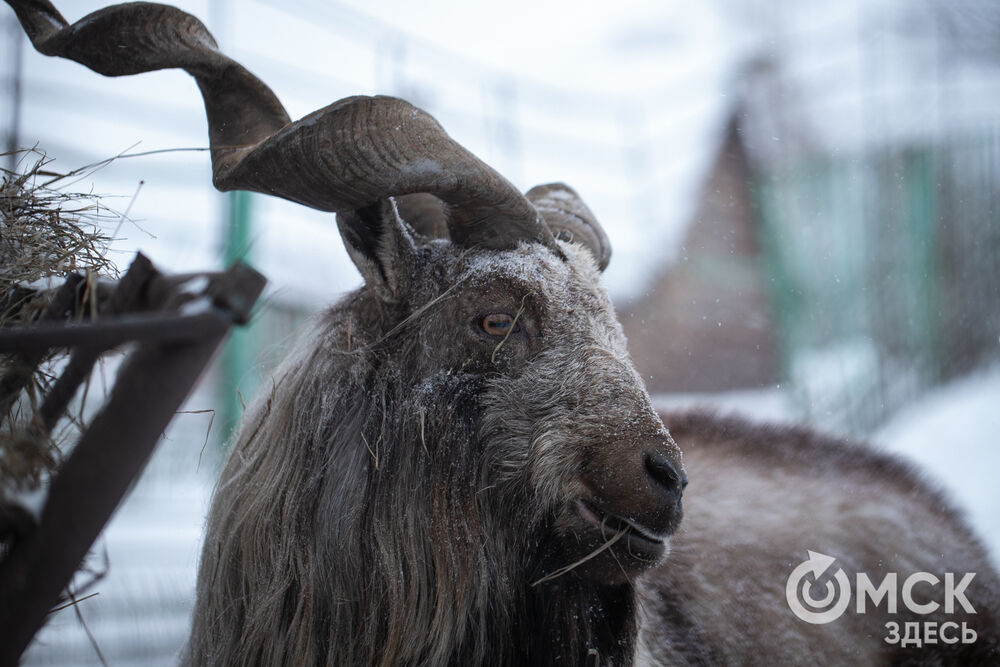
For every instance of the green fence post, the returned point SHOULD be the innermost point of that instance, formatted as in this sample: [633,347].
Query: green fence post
[237,358]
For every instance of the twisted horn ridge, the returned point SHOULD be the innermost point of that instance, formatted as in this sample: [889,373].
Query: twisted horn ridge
[569,219]
[345,156]
[143,37]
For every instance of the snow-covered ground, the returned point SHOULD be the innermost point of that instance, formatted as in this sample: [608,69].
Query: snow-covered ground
[954,434]
[772,405]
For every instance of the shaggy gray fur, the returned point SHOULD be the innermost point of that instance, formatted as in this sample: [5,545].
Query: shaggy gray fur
[392,499]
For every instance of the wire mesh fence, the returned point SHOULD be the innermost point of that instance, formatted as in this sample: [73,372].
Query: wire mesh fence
[876,198]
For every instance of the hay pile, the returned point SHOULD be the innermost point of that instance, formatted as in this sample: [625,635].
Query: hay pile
[47,232]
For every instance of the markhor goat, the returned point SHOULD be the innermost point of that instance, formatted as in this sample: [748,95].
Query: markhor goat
[461,465]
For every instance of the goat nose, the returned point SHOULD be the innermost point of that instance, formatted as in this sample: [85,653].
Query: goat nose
[664,476]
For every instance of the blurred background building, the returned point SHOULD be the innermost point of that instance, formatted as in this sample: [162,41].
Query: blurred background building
[802,197]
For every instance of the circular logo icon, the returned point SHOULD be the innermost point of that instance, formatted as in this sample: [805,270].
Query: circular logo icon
[823,607]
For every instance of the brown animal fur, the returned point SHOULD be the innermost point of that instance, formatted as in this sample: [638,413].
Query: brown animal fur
[759,498]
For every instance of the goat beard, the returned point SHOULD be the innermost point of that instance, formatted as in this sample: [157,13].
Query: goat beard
[463,594]
[395,551]
[572,619]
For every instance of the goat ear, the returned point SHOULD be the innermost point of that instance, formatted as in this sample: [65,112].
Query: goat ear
[380,246]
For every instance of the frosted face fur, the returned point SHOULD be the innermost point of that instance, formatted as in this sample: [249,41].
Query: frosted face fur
[563,418]
[557,414]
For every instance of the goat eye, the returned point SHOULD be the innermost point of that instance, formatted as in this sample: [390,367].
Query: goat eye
[497,324]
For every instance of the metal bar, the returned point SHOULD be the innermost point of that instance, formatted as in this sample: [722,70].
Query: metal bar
[127,294]
[130,287]
[104,335]
[150,387]
[24,362]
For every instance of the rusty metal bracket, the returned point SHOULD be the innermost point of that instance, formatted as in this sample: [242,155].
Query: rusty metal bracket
[172,351]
